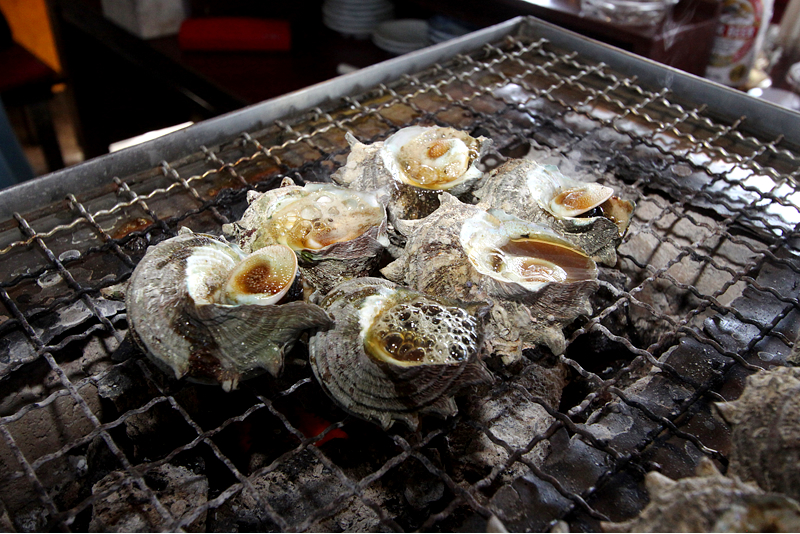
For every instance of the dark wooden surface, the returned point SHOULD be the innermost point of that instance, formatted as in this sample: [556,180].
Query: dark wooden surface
[256,76]
[124,86]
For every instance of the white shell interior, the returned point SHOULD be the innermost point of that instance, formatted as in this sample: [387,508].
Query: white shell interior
[320,215]
[220,273]
[500,246]
[431,157]
[579,200]
[562,196]
[207,269]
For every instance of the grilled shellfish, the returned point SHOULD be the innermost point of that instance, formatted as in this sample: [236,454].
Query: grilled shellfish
[336,232]
[710,502]
[413,166]
[588,215]
[394,353]
[204,310]
[765,430]
[538,282]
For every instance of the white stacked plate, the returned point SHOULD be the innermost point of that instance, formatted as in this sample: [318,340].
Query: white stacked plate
[441,28]
[357,18]
[401,36]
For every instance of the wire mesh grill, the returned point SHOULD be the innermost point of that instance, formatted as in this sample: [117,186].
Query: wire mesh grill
[94,437]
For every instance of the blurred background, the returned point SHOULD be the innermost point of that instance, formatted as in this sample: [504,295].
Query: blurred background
[78,77]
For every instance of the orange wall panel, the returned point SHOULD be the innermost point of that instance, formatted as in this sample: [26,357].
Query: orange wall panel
[30,26]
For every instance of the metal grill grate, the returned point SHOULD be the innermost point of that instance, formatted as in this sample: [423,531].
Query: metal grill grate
[92,436]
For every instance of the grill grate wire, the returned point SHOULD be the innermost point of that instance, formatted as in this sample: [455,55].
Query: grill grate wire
[709,265]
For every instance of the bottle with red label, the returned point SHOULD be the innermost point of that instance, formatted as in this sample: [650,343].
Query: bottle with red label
[740,33]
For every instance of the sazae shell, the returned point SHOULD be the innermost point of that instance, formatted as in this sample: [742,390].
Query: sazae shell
[588,215]
[464,251]
[413,166]
[710,502]
[336,232]
[765,430]
[202,309]
[395,354]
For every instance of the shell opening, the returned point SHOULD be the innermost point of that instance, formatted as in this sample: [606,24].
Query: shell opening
[527,269]
[511,250]
[263,277]
[534,261]
[618,211]
[434,158]
[322,218]
[422,332]
[207,267]
[576,201]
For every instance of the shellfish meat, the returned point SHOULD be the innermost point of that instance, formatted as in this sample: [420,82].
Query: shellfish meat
[588,215]
[413,165]
[395,353]
[202,309]
[336,232]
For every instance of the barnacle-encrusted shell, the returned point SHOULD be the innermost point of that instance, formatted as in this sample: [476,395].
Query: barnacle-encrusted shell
[587,215]
[765,430]
[337,233]
[412,166]
[394,353]
[463,251]
[202,309]
[710,502]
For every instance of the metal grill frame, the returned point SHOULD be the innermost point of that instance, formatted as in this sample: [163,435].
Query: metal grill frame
[681,95]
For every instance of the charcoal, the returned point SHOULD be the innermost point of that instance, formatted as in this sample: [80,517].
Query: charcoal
[427,488]
[5,521]
[301,491]
[529,504]
[15,351]
[578,466]
[515,415]
[123,506]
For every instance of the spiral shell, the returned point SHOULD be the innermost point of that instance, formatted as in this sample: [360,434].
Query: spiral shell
[413,166]
[395,354]
[765,430]
[523,257]
[439,159]
[710,502]
[202,309]
[588,215]
[464,251]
